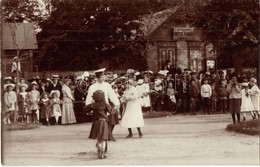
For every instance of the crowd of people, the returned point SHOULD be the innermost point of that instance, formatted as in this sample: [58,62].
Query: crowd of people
[68,100]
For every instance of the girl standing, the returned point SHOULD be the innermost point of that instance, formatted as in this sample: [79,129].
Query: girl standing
[23,105]
[99,129]
[247,105]
[9,102]
[34,98]
[44,108]
[255,96]
[133,116]
[55,103]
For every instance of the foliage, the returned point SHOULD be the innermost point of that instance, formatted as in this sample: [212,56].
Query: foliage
[18,11]
[81,34]
[232,26]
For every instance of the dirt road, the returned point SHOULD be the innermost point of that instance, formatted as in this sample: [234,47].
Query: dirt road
[170,140]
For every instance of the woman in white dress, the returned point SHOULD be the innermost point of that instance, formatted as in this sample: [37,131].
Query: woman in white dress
[133,116]
[247,105]
[68,115]
[255,97]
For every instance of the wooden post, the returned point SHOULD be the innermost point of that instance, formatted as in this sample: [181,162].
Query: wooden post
[17,85]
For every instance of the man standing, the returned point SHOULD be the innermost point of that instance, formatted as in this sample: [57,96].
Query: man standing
[110,95]
[234,90]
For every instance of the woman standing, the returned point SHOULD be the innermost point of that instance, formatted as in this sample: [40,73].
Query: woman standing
[68,115]
[133,117]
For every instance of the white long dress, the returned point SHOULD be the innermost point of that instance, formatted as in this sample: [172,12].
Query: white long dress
[146,99]
[255,96]
[133,116]
[247,104]
[68,115]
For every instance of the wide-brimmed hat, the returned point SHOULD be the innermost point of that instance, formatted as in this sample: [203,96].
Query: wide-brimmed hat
[23,85]
[55,77]
[245,84]
[34,83]
[140,81]
[85,74]
[8,78]
[55,92]
[7,85]
[163,72]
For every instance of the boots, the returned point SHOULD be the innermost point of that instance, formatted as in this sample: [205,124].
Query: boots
[130,133]
[139,132]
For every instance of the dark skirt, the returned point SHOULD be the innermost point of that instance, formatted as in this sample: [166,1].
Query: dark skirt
[99,130]
[113,119]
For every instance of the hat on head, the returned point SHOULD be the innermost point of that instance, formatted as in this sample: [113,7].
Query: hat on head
[79,78]
[99,72]
[137,73]
[23,85]
[48,80]
[244,84]
[98,95]
[9,85]
[130,71]
[34,83]
[85,74]
[253,80]
[140,81]
[8,78]
[55,77]
[15,58]
[163,72]
[55,92]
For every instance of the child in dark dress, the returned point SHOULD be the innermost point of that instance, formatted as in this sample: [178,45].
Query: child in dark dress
[99,130]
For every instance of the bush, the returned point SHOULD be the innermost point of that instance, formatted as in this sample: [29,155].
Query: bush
[248,127]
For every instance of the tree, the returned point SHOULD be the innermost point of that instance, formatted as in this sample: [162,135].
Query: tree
[19,11]
[232,27]
[80,34]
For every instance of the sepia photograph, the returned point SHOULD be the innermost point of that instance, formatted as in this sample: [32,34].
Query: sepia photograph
[130,82]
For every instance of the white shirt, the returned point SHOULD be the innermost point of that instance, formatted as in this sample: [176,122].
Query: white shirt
[206,91]
[107,89]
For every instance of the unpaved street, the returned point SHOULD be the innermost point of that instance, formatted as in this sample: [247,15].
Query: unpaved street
[170,140]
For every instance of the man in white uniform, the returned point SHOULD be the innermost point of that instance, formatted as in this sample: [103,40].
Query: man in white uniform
[110,94]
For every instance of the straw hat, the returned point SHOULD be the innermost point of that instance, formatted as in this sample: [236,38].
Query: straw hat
[245,84]
[140,81]
[23,85]
[8,78]
[7,85]
[34,83]
[55,92]
[55,77]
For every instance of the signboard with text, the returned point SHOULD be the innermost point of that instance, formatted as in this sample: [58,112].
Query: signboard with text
[183,33]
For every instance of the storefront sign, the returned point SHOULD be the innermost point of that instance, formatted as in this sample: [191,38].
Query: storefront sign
[183,32]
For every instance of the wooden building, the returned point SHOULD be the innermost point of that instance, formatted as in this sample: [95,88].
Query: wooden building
[22,37]
[172,39]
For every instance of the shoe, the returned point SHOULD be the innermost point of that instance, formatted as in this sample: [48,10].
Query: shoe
[102,155]
[129,136]
[140,135]
[112,139]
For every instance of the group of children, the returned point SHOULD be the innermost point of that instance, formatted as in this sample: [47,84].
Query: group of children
[32,107]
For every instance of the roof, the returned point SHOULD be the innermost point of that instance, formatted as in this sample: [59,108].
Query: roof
[153,21]
[24,34]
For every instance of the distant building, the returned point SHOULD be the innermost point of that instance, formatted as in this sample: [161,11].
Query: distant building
[172,39]
[22,37]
